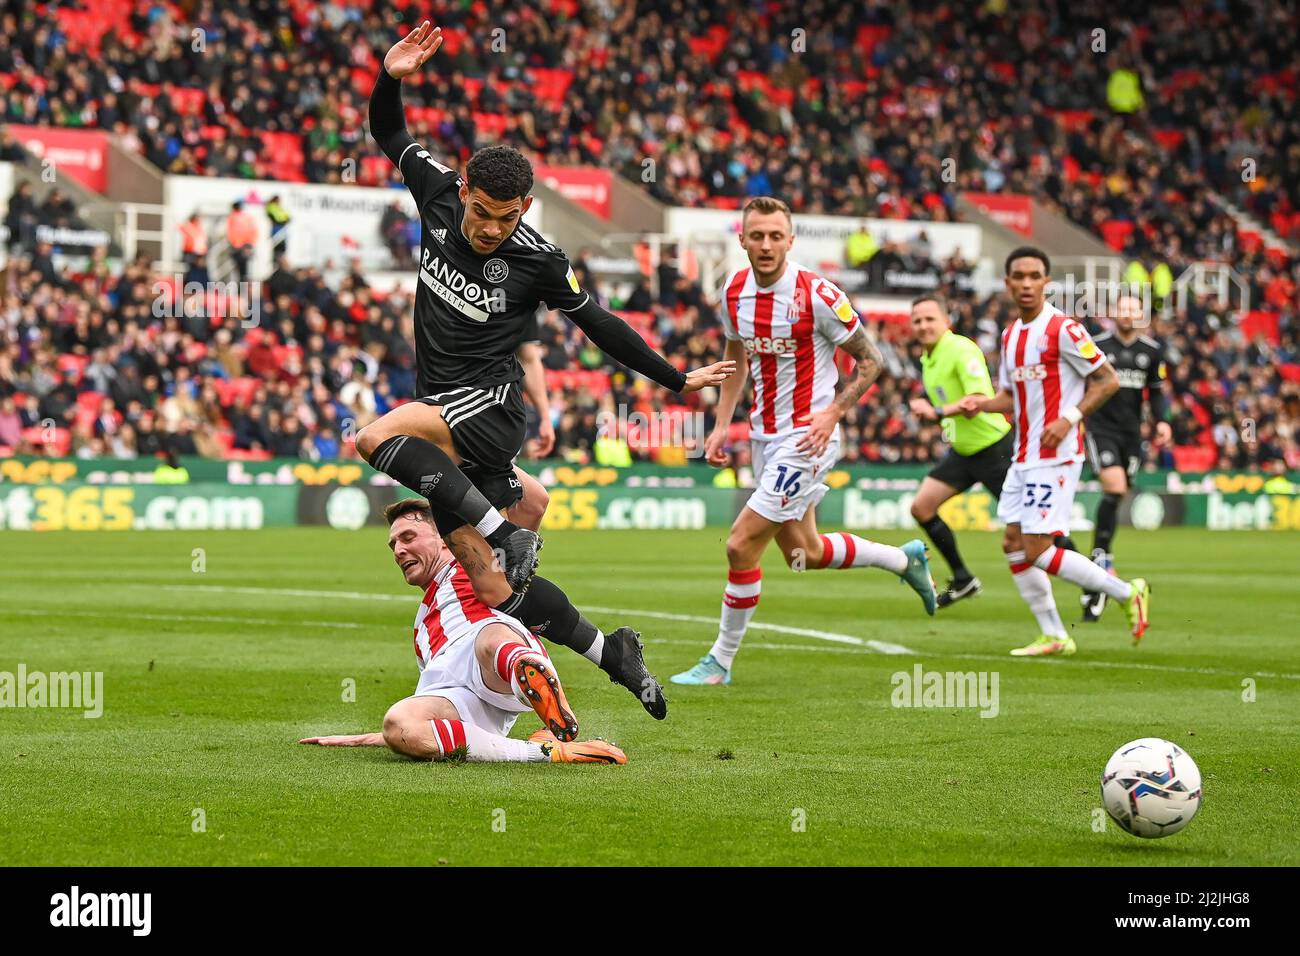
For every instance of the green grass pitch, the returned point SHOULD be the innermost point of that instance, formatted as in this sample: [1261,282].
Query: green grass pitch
[211,677]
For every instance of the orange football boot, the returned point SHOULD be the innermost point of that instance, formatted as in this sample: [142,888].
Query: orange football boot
[542,689]
[585,751]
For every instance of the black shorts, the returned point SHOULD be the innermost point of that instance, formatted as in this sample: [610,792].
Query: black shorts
[987,467]
[1110,449]
[487,427]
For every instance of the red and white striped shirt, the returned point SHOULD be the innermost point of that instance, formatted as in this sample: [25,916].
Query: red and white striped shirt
[1044,365]
[790,331]
[449,606]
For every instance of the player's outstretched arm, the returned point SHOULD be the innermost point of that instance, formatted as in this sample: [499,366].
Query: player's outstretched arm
[347,740]
[868,368]
[620,342]
[387,120]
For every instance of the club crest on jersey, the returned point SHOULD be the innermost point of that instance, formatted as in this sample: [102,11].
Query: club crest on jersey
[495,270]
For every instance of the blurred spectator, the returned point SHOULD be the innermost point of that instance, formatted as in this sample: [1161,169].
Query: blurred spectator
[241,234]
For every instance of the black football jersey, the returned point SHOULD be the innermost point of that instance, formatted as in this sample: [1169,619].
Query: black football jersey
[1139,366]
[472,310]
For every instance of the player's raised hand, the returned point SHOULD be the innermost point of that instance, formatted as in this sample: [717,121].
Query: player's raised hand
[714,374]
[820,428]
[715,447]
[409,53]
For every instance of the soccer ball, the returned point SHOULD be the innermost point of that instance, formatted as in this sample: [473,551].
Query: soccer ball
[1151,787]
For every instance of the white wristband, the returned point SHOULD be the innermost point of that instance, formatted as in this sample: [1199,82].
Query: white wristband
[1072,415]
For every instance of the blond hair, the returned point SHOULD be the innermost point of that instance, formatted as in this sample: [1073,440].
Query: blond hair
[766,205]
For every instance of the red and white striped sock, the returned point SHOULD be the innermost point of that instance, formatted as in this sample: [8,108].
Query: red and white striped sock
[842,550]
[510,654]
[482,746]
[738,604]
[1036,589]
[1073,567]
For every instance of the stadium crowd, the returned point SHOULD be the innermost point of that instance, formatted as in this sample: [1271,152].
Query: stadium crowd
[839,108]
[871,109]
[99,363]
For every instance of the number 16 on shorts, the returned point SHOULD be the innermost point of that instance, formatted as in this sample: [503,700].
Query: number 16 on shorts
[787,481]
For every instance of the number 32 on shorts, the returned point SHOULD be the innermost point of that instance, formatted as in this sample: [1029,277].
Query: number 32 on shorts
[1044,501]
[787,481]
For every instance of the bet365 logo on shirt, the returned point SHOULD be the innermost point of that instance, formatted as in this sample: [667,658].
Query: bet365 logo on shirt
[1029,373]
[770,345]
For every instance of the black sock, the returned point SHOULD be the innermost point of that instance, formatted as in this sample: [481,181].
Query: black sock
[1107,519]
[547,611]
[428,470]
[946,542]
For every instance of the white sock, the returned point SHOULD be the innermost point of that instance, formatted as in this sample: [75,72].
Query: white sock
[597,646]
[1036,589]
[491,521]
[1075,568]
[738,604]
[483,746]
[841,550]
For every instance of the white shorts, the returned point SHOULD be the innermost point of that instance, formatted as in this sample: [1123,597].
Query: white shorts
[788,482]
[454,673]
[1040,498]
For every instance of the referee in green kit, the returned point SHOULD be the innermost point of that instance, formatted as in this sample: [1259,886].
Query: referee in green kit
[954,366]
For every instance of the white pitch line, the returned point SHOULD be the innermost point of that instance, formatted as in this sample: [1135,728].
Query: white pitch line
[878,647]
[204,618]
[860,646]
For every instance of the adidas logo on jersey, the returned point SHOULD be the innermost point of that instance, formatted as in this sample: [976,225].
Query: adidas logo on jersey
[428,483]
[440,235]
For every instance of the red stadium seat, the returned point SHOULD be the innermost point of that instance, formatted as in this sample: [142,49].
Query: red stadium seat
[1262,322]
[187,100]
[869,37]
[56,442]
[1170,139]
[1115,232]
[1195,457]
[90,400]
[1074,119]
[72,367]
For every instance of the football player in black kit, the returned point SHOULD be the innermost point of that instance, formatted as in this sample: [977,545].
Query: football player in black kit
[482,274]
[1113,433]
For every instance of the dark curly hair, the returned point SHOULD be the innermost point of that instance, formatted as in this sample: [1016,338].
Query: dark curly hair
[500,171]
